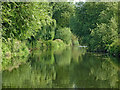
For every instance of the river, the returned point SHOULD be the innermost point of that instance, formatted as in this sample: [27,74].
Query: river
[71,67]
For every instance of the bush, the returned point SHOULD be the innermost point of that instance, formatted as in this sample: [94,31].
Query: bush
[64,34]
[115,48]
[47,32]
[13,52]
[6,55]
[58,44]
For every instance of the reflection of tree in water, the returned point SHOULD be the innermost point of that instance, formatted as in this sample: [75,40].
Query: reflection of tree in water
[38,74]
[43,69]
[94,72]
[68,68]
[63,57]
[17,77]
[77,53]
[64,60]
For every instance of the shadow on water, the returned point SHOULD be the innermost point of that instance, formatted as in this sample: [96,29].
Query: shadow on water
[71,67]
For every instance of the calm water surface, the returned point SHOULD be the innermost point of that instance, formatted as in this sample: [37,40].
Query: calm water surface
[71,67]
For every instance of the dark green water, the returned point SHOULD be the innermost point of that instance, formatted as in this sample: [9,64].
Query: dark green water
[67,68]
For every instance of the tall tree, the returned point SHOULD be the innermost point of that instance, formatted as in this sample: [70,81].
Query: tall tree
[62,12]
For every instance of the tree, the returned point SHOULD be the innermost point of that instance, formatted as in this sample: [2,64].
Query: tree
[64,34]
[22,20]
[96,24]
[62,12]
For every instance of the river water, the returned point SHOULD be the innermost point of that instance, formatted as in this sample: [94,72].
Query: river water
[71,67]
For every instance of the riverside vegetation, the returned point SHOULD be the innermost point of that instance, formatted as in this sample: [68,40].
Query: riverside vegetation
[45,25]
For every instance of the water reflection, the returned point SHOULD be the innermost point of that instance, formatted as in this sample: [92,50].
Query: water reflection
[71,67]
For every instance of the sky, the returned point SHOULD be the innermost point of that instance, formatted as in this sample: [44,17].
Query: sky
[79,1]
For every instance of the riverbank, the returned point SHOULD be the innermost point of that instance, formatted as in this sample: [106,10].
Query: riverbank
[16,52]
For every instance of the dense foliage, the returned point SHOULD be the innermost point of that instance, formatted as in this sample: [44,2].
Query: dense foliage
[34,24]
[64,34]
[62,13]
[96,24]
[23,20]
[13,53]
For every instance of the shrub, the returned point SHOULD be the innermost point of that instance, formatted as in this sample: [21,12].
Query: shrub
[58,44]
[13,52]
[64,34]
[115,48]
